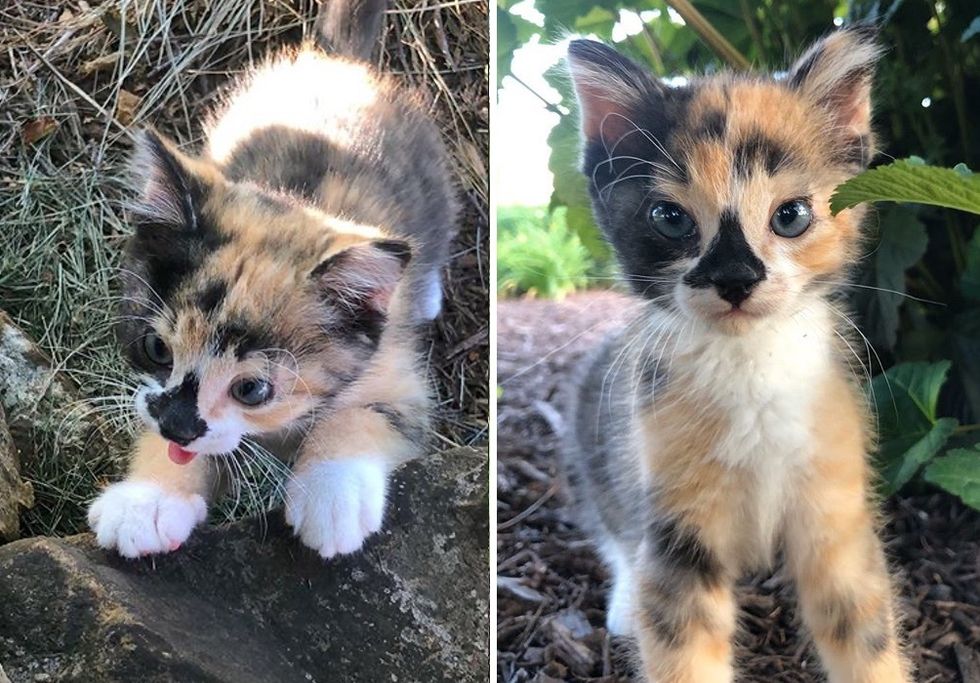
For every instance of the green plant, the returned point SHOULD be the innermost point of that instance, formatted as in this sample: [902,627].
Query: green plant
[538,255]
[906,397]
[916,294]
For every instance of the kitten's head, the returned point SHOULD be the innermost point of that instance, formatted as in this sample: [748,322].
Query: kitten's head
[243,311]
[715,195]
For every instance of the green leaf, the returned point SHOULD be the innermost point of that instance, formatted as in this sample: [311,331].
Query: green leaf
[916,451]
[903,242]
[905,399]
[959,473]
[904,181]
[971,30]
[909,392]
[570,185]
[970,280]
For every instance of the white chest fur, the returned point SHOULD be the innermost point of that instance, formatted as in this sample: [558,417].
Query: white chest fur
[763,384]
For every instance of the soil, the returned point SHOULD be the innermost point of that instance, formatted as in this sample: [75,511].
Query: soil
[551,587]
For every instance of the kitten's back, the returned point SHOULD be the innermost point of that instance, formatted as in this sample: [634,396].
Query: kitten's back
[320,126]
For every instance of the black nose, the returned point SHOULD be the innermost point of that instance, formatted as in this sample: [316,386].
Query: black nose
[736,281]
[180,425]
[176,413]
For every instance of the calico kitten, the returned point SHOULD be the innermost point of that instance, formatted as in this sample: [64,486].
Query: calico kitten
[273,289]
[724,423]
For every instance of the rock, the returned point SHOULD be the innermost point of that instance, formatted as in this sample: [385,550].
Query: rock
[14,492]
[247,603]
[47,420]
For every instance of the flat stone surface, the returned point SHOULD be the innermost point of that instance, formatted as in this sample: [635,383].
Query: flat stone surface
[247,603]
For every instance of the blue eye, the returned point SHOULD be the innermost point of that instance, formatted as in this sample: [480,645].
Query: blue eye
[251,391]
[792,219]
[671,221]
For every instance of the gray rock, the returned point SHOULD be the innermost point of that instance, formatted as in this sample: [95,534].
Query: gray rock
[247,603]
[42,404]
[14,492]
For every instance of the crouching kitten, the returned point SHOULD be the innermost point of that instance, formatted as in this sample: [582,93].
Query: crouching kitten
[724,423]
[273,289]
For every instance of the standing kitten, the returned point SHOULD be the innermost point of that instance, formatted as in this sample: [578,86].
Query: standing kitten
[273,288]
[724,423]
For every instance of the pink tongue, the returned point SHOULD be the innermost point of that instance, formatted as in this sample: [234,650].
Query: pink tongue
[179,455]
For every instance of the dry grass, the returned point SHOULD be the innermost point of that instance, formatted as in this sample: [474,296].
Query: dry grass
[77,77]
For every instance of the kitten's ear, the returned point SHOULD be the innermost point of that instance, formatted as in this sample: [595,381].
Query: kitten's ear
[609,87]
[364,276]
[836,73]
[166,190]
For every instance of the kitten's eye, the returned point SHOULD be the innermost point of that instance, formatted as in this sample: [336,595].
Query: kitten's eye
[671,221]
[251,391]
[792,219]
[156,349]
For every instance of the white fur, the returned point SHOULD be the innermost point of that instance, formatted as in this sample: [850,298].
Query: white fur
[300,92]
[619,610]
[764,380]
[333,506]
[428,302]
[141,518]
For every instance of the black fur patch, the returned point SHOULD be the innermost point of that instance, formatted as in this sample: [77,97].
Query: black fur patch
[244,336]
[175,411]
[729,258]
[399,422]
[395,247]
[711,126]
[804,69]
[757,149]
[682,551]
[211,297]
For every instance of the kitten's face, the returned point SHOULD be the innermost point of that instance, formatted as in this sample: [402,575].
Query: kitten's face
[244,314]
[715,196]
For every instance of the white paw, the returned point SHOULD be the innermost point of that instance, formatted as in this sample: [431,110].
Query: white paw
[141,518]
[333,506]
[619,612]
[428,301]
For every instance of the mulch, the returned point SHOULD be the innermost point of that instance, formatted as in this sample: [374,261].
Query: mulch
[551,587]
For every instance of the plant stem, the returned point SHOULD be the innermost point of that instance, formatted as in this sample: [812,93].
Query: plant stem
[550,106]
[964,429]
[709,34]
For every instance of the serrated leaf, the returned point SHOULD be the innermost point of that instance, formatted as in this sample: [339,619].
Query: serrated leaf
[959,473]
[904,181]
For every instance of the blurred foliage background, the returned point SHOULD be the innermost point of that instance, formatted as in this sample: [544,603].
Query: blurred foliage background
[916,297]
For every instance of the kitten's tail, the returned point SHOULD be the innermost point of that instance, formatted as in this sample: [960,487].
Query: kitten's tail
[349,28]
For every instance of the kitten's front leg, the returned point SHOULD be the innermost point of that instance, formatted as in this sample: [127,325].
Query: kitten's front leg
[685,610]
[156,507]
[336,497]
[844,588]
[836,557]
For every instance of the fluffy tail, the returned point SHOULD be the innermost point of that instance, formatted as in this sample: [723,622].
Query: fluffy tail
[350,28]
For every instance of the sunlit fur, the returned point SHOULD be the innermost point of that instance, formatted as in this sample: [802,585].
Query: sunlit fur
[303,247]
[710,434]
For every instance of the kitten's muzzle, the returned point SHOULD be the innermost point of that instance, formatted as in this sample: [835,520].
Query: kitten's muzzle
[176,413]
[735,282]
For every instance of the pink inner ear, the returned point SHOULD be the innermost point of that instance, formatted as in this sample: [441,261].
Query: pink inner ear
[602,118]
